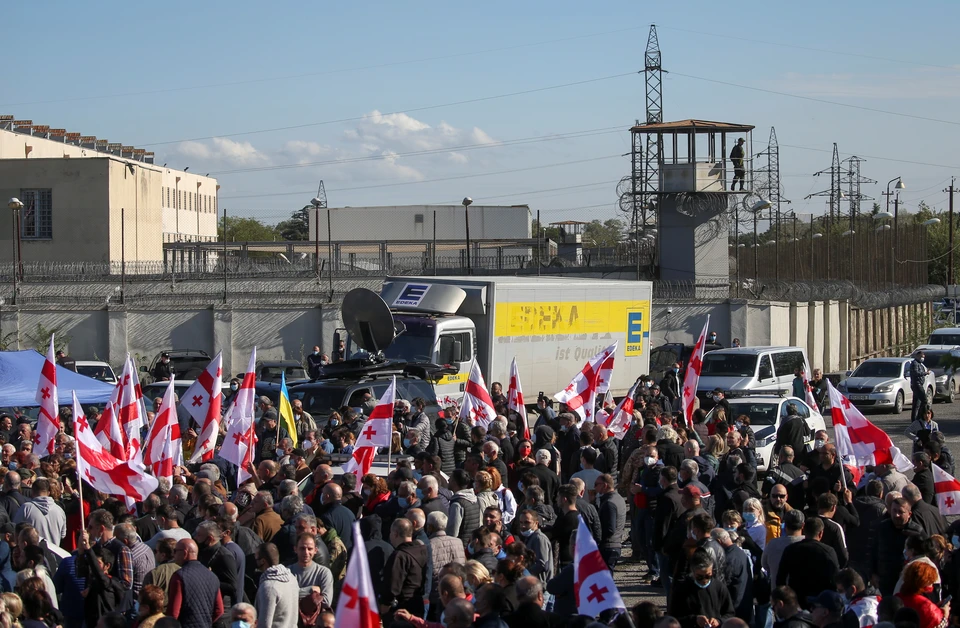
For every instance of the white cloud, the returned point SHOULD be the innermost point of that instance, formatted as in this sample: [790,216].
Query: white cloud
[223,151]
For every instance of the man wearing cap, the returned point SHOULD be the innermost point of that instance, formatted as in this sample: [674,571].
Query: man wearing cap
[827,609]
[66,361]
[163,370]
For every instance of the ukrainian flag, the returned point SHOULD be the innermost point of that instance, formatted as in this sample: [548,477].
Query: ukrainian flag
[286,410]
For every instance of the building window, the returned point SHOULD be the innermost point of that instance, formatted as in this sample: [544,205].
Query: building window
[36,217]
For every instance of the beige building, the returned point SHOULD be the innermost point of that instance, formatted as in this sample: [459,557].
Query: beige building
[64,200]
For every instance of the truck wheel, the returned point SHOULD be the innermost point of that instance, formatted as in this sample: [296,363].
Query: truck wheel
[898,404]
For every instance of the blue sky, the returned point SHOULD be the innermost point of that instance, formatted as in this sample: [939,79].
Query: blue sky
[161,75]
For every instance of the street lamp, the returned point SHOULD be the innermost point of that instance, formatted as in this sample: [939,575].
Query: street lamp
[932,221]
[317,203]
[900,186]
[467,202]
[15,204]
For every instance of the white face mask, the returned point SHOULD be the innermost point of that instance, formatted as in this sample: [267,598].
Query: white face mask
[308,444]
[649,461]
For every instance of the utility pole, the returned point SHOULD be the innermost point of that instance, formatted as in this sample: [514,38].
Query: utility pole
[950,190]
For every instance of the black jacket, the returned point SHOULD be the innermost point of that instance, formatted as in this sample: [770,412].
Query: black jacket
[442,445]
[807,567]
[529,615]
[929,518]
[405,577]
[834,536]
[589,513]
[549,482]
[668,512]
[803,619]
[690,601]
[886,553]
[568,443]
[670,386]
[561,587]
[738,576]
[378,551]
[792,432]
[607,460]
[924,481]
[871,511]
[336,516]
[670,452]
[222,563]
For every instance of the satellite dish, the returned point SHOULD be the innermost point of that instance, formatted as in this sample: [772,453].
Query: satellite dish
[369,321]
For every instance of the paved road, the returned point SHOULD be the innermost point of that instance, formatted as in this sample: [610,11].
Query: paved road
[947,417]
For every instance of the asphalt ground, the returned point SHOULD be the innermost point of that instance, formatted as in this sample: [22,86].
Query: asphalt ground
[628,574]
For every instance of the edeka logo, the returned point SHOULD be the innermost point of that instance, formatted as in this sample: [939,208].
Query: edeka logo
[636,333]
[411,295]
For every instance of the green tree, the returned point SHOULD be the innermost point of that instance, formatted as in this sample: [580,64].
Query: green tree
[246,230]
[549,232]
[604,234]
[297,227]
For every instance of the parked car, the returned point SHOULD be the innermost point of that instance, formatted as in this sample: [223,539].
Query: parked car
[270,371]
[947,379]
[187,364]
[662,358]
[323,396]
[156,389]
[97,370]
[766,413]
[945,336]
[750,370]
[882,384]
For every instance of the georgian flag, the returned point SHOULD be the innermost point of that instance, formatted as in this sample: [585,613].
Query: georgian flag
[204,401]
[107,474]
[477,408]
[377,431]
[593,585]
[48,423]
[947,489]
[163,449]
[619,421]
[240,441]
[691,378]
[580,395]
[515,398]
[860,442]
[357,606]
[118,429]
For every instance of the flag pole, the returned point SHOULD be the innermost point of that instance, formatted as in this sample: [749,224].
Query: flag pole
[83,525]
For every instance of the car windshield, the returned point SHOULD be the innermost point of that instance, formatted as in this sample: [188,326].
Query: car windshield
[319,400]
[878,369]
[932,358]
[663,357]
[189,368]
[272,373]
[155,390]
[411,347]
[945,339]
[729,364]
[103,373]
[759,413]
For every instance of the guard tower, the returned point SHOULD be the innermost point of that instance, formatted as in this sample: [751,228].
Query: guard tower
[571,239]
[698,182]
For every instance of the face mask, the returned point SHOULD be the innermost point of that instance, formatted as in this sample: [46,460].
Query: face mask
[239,624]
[703,585]
[749,518]
[818,444]
[649,461]
[449,421]
[366,492]
[501,554]
[846,598]
[417,475]
[956,541]
[692,535]
[334,422]
[730,529]
[519,485]
[486,459]
[675,370]
[12,466]
[905,556]
[403,501]
[526,532]
[470,549]
[316,353]
[279,453]
[308,444]
[68,456]
[419,494]
[564,428]
[234,387]
[406,443]
[715,398]
[921,360]
[650,384]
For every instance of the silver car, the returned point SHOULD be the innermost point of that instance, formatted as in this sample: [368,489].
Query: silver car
[883,384]
[948,379]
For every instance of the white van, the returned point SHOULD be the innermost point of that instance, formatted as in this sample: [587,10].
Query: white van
[945,336]
[750,370]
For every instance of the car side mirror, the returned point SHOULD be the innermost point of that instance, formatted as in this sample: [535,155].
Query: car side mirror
[457,348]
[143,369]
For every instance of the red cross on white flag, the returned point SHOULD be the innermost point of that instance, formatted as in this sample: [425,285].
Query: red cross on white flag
[163,450]
[238,445]
[859,442]
[377,431]
[947,489]
[48,422]
[581,394]
[477,408]
[203,401]
[357,607]
[691,379]
[515,398]
[618,422]
[593,586]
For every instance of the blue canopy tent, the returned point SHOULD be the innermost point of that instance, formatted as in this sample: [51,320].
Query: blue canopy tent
[20,373]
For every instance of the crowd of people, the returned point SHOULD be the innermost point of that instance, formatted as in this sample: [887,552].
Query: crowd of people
[476,526]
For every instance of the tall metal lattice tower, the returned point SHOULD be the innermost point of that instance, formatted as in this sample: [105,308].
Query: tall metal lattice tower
[853,182]
[636,191]
[834,194]
[768,187]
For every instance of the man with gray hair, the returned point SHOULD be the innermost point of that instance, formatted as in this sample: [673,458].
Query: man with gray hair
[688,474]
[530,612]
[927,516]
[217,559]
[549,481]
[267,522]
[587,509]
[429,491]
[335,514]
[445,549]
[737,574]
[142,558]
[243,612]
[11,498]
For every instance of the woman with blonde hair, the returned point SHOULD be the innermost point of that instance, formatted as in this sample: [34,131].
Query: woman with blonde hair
[483,488]
[477,574]
[754,521]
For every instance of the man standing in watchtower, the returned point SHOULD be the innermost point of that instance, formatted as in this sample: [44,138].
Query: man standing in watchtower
[739,173]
